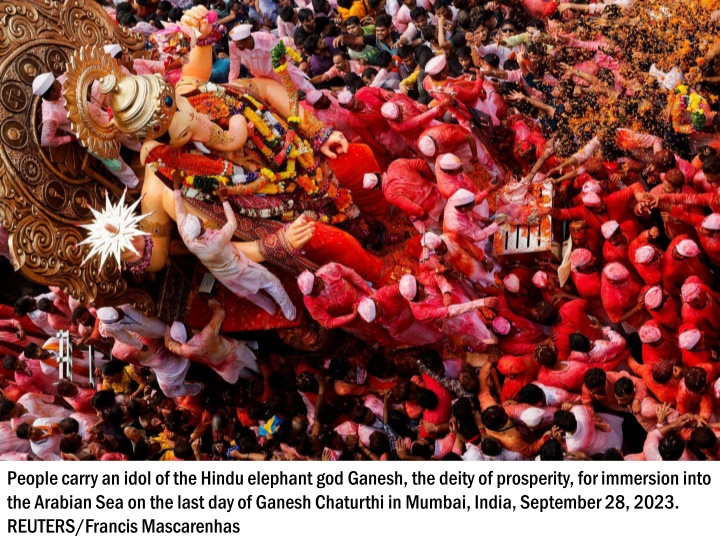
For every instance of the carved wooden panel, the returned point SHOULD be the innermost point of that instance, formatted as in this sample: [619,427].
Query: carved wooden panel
[44,193]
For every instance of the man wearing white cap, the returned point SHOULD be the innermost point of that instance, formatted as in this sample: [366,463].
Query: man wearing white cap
[127,325]
[463,217]
[253,49]
[459,141]
[617,237]
[708,229]
[332,296]
[409,118]
[325,107]
[227,356]
[368,121]
[680,261]
[134,66]
[701,306]
[215,249]
[54,120]
[54,114]
[408,184]
[645,257]
[467,257]
[391,311]
[437,84]
[451,177]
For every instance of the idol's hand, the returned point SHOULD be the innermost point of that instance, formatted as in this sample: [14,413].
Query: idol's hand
[198,17]
[336,144]
[300,232]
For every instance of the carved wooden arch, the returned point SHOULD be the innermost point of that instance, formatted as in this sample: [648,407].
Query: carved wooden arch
[44,193]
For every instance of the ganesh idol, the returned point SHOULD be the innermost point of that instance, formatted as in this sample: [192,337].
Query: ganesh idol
[284,173]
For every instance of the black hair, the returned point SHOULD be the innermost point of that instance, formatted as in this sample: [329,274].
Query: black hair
[174,420]
[671,448]
[23,431]
[595,378]
[545,355]
[319,5]
[307,382]
[311,43]
[492,59]
[417,12]
[70,444]
[24,305]
[530,394]
[427,399]
[383,20]
[565,420]
[113,367]
[68,426]
[6,408]
[579,342]
[424,451]
[612,454]
[404,51]
[286,13]
[490,446]
[379,443]
[175,14]
[103,399]
[347,4]
[464,52]
[305,14]
[494,417]
[8,362]
[31,349]
[326,414]
[696,379]
[339,368]
[358,414]
[352,21]
[703,437]
[384,59]
[183,449]
[624,387]
[551,450]
[662,371]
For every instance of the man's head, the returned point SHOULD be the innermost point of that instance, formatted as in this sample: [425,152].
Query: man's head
[671,448]
[464,56]
[579,342]
[24,305]
[341,61]
[81,315]
[545,355]
[113,371]
[12,363]
[531,394]
[34,351]
[383,27]
[624,391]
[566,421]
[362,415]
[595,380]
[551,450]
[703,438]
[494,418]
[696,380]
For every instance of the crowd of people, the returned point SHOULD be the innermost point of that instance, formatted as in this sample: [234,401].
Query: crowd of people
[600,347]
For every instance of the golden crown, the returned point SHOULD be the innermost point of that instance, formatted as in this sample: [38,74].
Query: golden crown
[142,106]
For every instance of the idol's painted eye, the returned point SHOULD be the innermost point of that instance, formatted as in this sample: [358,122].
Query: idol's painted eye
[169,101]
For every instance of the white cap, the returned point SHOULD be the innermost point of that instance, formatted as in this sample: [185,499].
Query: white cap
[592,186]
[113,49]
[427,146]
[540,279]
[461,197]
[178,332]
[608,228]
[370,180]
[688,248]
[191,227]
[436,65]
[313,96]
[512,283]
[240,32]
[390,111]
[431,240]
[42,83]
[644,254]
[345,97]
[712,222]
[305,282]
[107,314]
[367,310]
[532,416]
[449,162]
[408,286]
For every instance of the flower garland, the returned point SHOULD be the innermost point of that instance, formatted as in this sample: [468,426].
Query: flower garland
[693,103]
[139,266]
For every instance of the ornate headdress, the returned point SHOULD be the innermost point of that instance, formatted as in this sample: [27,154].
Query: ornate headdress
[142,106]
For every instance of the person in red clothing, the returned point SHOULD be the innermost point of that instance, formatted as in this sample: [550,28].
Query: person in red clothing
[519,293]
[645,257]
[694,351]
[459,141]
[584,237]
[680,261]
[569,374]
[695,395]
[451,178]
[585,275]
[610,390]
[615,248]
[707,228]
[332,296]
[408,118]
[518,371]
[464,255]
[573,317]
[701,307]
[662,379]
[657,344]
[619,293]
[409,184]
[389,309]
[663,308]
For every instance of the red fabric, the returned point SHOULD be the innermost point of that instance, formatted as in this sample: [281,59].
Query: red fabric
[573,318]
[519,371]
[674,272]
[440,414]
[410,185]
[618,299]
[349,169]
